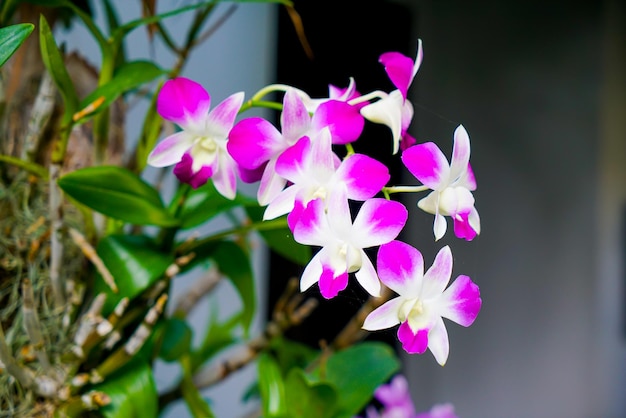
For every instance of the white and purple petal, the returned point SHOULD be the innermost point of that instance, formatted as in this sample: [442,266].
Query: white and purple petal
[170,150]
[222,117]
[428,164]
[185,173]
[367,277]
[460,154]
[378,222]
[438,342]
[400,268]
[387,111]
[254,141]
[461,301]
[294,120]
[438,275]
[183,102]
[413,342]
[385,316]
[363,176]
[344,121]
[312,227]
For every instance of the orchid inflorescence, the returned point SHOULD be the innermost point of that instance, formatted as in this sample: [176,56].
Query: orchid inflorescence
[301,176]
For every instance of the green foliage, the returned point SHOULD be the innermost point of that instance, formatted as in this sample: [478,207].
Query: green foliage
[271,387]
[305,399]
[134,261]
[355,373]
[204,203]
[176,339]
[11,38]
[133,392]
[118,193]
[53,60]
[281,239]
[127,77]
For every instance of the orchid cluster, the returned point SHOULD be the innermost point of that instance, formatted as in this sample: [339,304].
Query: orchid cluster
[302,177]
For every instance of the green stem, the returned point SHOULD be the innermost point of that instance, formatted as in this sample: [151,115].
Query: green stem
[405,189]
[260,103]
[31,167]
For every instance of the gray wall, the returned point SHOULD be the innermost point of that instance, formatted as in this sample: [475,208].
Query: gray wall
[530,82]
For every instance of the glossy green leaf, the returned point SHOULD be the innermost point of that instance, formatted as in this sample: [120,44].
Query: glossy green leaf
[128,77]
[291,354]
[220,335]
[272,388]
[135,263]
[118,193]
[281,240]
[234,263]
[204,203]
[176,339]
[53,60]
[356,372]
[11,38]
[133,392]
[198,406]
[309,400]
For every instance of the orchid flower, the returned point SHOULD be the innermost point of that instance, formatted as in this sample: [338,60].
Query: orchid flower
[313,169]
[199,150]
[451,184]
[393,109]
[445,410]
[255,142]
[379,221]
[423,299]
[395,399]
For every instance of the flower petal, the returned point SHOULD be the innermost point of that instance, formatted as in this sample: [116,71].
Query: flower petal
[401,268]
[221,119]
[438,341]
[281,204]
[438,275]
[378,222]
[399,68]
[171,149]
[387,111]
[271,184]
[312,271]
[344,121]
[254,141]
[331,285]
[294,120]
[413,343]
[461,302]
[428,164]
[312,228]
[367,277]
[385,316]
[183,102]
[460,154]
[363,176]
[225,177]
[439,226]
[185,174]
[293,162]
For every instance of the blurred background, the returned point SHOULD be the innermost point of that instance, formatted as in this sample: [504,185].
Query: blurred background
[541,88]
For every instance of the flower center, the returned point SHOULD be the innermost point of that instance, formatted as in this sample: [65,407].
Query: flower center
[208,144]
[413,311]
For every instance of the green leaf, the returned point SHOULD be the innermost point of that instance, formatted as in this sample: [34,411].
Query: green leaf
[234,262]
[11,38]
[53,60]
[356,372]
[135,263]
[176,339]
[118,193]
[309,400]
[133,392]
[129,76]
[205,203]
[292,354]
[281,240]
[272,388]
[219,336]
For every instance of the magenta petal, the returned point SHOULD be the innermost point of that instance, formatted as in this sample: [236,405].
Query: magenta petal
[294,215]
[427,163]
[291,164]
[183,101]
[185,174]
[363,176]
[407,141]
[463,301]
[462,227]
[401,267]
[378,222]
[330,286]
[250,176]
[413,343]
[312,226]
[254,141]
[344,121]
[399,68]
